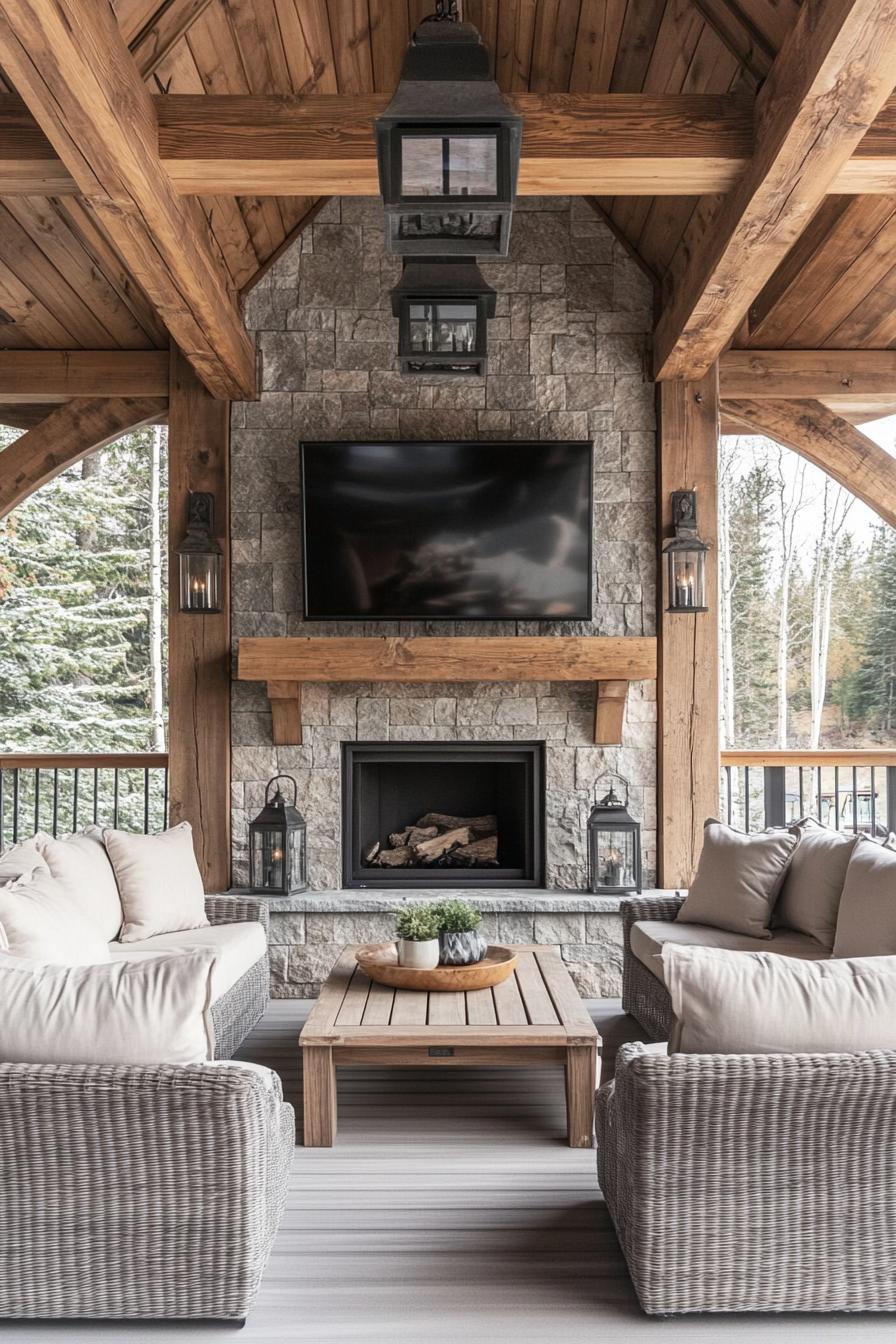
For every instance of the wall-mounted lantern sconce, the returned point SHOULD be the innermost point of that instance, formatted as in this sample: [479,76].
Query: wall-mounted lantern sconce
[200,558]
[442,306]
[685,556]
[448,147]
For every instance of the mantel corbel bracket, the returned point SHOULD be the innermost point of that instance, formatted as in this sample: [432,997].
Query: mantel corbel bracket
[609,712]
[286,712]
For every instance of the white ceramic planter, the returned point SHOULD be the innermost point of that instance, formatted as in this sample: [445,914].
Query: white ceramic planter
[421,956]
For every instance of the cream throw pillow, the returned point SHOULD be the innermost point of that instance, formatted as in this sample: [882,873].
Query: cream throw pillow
[129,1012]
[866,921]
[759,1003]
[39,922]
[738,879]
[21,861]
[159,882]
[80,863]
[810,897]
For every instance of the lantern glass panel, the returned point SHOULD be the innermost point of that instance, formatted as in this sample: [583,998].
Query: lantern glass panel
[296,856]
[443,327]
[449,166]
[200,581]
[616,858]
[687,579]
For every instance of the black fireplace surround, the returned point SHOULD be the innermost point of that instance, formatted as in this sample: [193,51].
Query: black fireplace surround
[387,786]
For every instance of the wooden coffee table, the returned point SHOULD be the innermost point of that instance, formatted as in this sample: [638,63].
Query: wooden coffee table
[533,1018]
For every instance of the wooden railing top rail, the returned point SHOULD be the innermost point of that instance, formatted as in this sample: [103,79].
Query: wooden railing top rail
[67,760]
[880,756]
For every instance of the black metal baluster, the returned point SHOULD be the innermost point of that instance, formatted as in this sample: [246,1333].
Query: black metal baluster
[165,799]
[728,791]
[855,801]
[802,792]
[146,800]
[37,799]
[96,795]
[75,800]
[836,797]
[15,805]
[115,798]
[873,804]
[747,799]
[818,792]
[55,800]
[891,797]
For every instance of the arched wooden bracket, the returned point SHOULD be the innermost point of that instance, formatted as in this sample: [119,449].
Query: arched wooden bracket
[609,712]
[286,712]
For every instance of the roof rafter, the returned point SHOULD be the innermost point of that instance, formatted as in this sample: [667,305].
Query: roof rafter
[69,62]
[833,75]
[32,377]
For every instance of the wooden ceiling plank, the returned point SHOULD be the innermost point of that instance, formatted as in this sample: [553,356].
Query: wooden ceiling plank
[872,321]
[513,44]
[483,14]
[597,42]
[152,44]
[71,65]
[807,374]
[389,38]
[830,442]
[832,76]
[35,376]
[23,318]
[350,33]
[553,45]
[65,437]
[639,30]
[849,284]
[134,15]
[753,47]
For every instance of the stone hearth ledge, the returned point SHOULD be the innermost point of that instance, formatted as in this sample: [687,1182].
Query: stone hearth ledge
[308,931]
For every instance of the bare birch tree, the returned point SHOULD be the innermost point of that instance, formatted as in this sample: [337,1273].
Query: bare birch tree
[728,452]
[791,502]
[157,698]
[836,504]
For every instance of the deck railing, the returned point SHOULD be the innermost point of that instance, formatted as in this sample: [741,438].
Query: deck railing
[852,791]
[59,793]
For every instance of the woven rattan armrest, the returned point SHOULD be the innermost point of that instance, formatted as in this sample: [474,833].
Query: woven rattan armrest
[236,909]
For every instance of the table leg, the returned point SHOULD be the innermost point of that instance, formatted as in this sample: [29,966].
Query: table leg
[319,1096]
[581,1079]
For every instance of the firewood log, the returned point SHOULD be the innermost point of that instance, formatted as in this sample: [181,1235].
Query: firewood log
[371,853]
[418,833]
[478,852]
[399,838]
[430,850]
[479,825]
[402,857]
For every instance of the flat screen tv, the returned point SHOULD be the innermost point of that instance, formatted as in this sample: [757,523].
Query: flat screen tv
[450,531]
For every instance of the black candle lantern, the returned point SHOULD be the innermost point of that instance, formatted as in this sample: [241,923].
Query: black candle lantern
[614,848]
[448,146]
[685,557]
[200,558]
[442,308]
[277,845]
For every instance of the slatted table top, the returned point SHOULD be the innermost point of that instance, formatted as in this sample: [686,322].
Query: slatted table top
[538,1005]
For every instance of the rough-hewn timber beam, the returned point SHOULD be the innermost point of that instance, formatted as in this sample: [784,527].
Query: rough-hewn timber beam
[67,435]
[841,450]
[33,376]
[586,144]
[834,73]
[69,62]
[809,374]
[150,44]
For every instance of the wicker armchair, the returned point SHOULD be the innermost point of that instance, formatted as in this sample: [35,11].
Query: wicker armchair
[139,1193]
[236,1012]
[753,1182]
[642,994]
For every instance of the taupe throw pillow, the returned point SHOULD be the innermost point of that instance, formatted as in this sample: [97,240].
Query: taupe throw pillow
[813,885]
[159,882]
[866,922]
[738,879]
[759,1003]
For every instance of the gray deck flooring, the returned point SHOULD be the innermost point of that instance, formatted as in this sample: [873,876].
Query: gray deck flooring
[450,1212]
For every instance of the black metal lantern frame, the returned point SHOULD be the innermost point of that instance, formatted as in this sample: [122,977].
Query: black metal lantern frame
[685,557]
[442,306]
[200,558]
[448,148]
[614,848]
[278,853]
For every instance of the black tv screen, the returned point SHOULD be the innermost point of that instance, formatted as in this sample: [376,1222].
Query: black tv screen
[462,531]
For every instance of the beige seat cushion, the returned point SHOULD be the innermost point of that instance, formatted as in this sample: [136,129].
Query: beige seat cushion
[649,936]
[40,923]
[237,947]
[80,863]
[159,882]
[810,896]
[738,879]
[866,920]
[152,1012]
[756,1003]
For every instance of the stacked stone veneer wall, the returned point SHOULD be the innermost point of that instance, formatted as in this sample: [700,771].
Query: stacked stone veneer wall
[567,360]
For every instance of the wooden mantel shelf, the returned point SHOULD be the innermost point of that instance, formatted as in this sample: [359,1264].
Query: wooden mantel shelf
[284,664]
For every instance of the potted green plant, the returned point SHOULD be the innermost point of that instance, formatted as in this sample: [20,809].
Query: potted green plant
[417,937]
[460,942]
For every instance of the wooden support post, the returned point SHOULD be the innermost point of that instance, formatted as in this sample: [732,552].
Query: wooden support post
[286,712]
[688,681]
[609,713]
[198,644]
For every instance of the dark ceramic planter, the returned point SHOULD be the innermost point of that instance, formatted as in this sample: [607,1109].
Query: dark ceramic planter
[461,949]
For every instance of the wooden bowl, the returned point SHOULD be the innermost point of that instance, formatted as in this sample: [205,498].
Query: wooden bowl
[380,961]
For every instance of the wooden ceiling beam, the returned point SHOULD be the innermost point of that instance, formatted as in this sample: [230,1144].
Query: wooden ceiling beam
[862,375]
[153,42]
[65,436]
[834,73]
[582,144]
[70,64]
[846,454]
[31,377]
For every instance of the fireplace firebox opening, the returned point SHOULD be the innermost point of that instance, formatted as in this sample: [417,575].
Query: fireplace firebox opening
[443,814]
